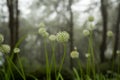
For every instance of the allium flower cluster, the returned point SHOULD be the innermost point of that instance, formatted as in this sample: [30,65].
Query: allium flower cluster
[52,37]
[5,48]
[91,18]
[1,38]
[74,54]
[16,50]
[86,32]
[41,25]
[91,27]
[62,36]
[43,32]
[109,33]
[118,52]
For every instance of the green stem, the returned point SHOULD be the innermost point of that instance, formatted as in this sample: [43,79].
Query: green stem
[21,67]
[81,71]
[63,58]
[53,61]
[47,61]
[88,62]
[9,70]
[92,53]
[76,73]
[16,68]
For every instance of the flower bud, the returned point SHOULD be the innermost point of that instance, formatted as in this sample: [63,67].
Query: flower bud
[118,52]
[52,37]
[86,32]
[109,33]
[16,50]
[74,54]
[91,18]
[41,25]
[43,32]
[91,27]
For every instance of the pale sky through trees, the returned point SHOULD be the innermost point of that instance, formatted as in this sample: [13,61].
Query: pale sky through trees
[79,7]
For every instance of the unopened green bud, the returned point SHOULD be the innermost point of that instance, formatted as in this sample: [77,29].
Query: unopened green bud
[74,54]
[86,32]
[91,18]
[109,33]
[16,50]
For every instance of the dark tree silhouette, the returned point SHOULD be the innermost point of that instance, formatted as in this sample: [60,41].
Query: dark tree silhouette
[117,27]
[71,24]
[105,21]
[13,22]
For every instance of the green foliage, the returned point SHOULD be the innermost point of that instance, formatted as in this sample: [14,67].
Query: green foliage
[41,73]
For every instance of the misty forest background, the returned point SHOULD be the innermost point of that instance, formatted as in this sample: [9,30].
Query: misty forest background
[22,17]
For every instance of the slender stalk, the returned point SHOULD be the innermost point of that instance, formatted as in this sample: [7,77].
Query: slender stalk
[81,71]
[53,61]
[62,61]
[92,53]
[76,73]
[88,61]
[63,58]
[9,67]
[47,61]
[21,67]
[88,66]
[16,68]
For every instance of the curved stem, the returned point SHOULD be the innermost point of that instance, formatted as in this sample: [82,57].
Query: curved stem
[21,67]
[62,61]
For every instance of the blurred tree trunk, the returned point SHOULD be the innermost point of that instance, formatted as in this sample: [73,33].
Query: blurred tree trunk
[71,24]
[117,27]
[104,37]
[13,22]
[17,21]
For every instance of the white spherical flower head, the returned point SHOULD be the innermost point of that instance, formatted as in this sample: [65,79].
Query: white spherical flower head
[86,32]
[109,33]
[1,38]
[42,25]
[91,27]
[5,48]
[16,50]
[52,37]
[118,52]
[46,34]
[62,36]
[91,18]
[108,53]
[74,54]
[43,32]
[87,55]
